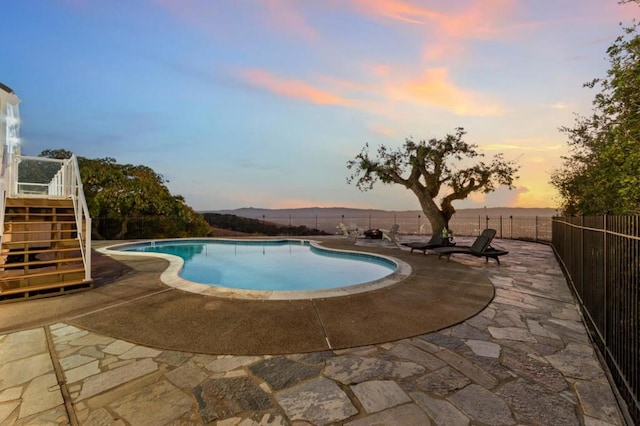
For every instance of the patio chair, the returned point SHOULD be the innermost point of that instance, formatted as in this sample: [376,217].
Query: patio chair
[349,231]
[391,234]
[481,247]
[434,242]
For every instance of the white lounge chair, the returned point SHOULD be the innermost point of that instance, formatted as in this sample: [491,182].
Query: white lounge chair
[391,234]
[349,231]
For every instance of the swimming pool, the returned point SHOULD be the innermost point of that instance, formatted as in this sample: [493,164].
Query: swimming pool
[287,269]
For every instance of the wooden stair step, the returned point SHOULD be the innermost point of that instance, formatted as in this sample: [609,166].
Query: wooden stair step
[10,217]
[33,203]
[17,243]
[51,262]
[39,228]
[38,202]
[49,273]
[37,217]
[44,290]
[40,205]
[24,206]
[40,250]
[40,222]
[39,231]
[43,209]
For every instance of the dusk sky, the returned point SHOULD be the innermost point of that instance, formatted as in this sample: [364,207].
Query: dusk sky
[261,103]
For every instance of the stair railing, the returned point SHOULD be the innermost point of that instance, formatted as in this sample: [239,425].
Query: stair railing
[71,171]
[3,202]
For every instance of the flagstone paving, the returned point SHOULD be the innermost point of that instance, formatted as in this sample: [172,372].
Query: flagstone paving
[525,359]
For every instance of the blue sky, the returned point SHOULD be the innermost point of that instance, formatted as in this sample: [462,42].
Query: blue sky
[261,103]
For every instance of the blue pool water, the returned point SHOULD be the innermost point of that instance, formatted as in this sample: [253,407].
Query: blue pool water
[270,265]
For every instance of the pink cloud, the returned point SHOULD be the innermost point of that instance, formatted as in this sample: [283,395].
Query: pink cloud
[472,19]
[396,9]
[436,89]
[291,88]
[218,18]
[449,24]
[382,130]
[285,16]
[485,19]
[381,70]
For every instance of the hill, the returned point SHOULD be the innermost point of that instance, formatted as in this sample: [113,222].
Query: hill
[259,213]
[326,219]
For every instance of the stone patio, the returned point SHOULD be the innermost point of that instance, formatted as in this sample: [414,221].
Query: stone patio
[525,359]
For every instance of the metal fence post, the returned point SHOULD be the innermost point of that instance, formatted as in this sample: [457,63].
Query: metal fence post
[582,256]
[510,226]
[605,226]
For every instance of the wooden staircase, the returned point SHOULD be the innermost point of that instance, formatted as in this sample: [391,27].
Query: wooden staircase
[40,254]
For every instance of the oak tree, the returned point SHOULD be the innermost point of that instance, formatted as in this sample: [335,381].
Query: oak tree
[447,169]
[122,193]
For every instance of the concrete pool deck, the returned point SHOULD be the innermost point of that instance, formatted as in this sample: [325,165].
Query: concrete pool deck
[523,359]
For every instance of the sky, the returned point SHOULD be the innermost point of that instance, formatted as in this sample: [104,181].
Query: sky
[261,103]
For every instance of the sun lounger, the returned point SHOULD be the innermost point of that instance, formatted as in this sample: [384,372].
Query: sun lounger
[435,242]
[481,247]
[391,234]
[349,231]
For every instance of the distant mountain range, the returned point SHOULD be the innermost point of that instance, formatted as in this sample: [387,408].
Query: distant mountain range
[258,213]
[327,218]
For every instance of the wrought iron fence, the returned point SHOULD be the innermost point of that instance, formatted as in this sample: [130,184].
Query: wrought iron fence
[601,256]
[537,228]
[142,227]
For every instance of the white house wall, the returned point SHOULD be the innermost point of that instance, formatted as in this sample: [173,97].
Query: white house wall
[8,100]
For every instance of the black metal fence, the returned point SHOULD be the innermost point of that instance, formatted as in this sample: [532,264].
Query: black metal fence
[528,228]
[143,227]
[537,228]
[601,256]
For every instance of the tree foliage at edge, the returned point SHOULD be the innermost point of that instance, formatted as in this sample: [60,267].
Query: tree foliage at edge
[121,193]
[602,173]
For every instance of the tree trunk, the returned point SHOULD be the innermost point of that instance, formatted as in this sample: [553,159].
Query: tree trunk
[431,211]
[124,228]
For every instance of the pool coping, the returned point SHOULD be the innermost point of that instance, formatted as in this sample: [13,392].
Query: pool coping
[171,277]
[130,302]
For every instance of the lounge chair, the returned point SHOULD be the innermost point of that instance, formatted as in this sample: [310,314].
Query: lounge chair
[349,231]
[435,242]
[481,247]
[391,234]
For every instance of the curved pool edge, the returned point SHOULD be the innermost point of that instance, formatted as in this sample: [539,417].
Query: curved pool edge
[170,276]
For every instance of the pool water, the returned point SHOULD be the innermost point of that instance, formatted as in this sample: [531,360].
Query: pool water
[289,265]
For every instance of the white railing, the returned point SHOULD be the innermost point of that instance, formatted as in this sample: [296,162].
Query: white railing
[3,202]
[39,177]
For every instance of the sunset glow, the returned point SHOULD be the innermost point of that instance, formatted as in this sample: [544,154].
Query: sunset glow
[261,103]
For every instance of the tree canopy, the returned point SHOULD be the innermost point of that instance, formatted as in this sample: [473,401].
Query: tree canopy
[118,194]
[602,173]
[448,168]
